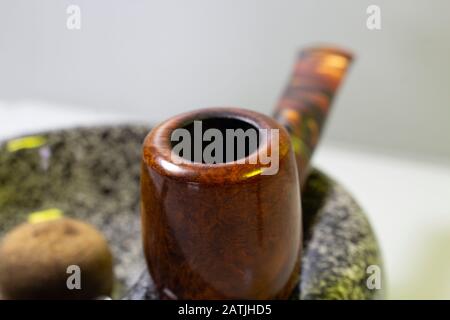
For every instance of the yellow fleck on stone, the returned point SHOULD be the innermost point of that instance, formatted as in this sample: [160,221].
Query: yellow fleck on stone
[29,142]
[45,215]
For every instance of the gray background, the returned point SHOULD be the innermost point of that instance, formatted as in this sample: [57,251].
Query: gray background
[159,58]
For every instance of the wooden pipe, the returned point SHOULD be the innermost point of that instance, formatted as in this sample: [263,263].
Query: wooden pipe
[227,230]
[305,103]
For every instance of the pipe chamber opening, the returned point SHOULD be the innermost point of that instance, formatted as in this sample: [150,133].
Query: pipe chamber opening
[215,140]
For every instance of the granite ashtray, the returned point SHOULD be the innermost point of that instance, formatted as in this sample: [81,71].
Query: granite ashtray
[92,174]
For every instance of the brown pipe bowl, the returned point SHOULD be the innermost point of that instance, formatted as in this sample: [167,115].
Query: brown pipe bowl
[216,231]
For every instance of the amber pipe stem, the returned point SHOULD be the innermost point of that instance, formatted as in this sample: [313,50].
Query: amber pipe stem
[305,104]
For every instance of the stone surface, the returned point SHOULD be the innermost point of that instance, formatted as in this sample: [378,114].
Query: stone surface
[93,174]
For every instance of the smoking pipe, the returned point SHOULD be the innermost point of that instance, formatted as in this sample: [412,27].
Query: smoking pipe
[226,230]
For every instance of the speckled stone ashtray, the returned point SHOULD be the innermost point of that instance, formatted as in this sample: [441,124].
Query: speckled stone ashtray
[93,174]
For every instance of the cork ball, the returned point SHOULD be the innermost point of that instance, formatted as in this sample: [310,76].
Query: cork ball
[56,259]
